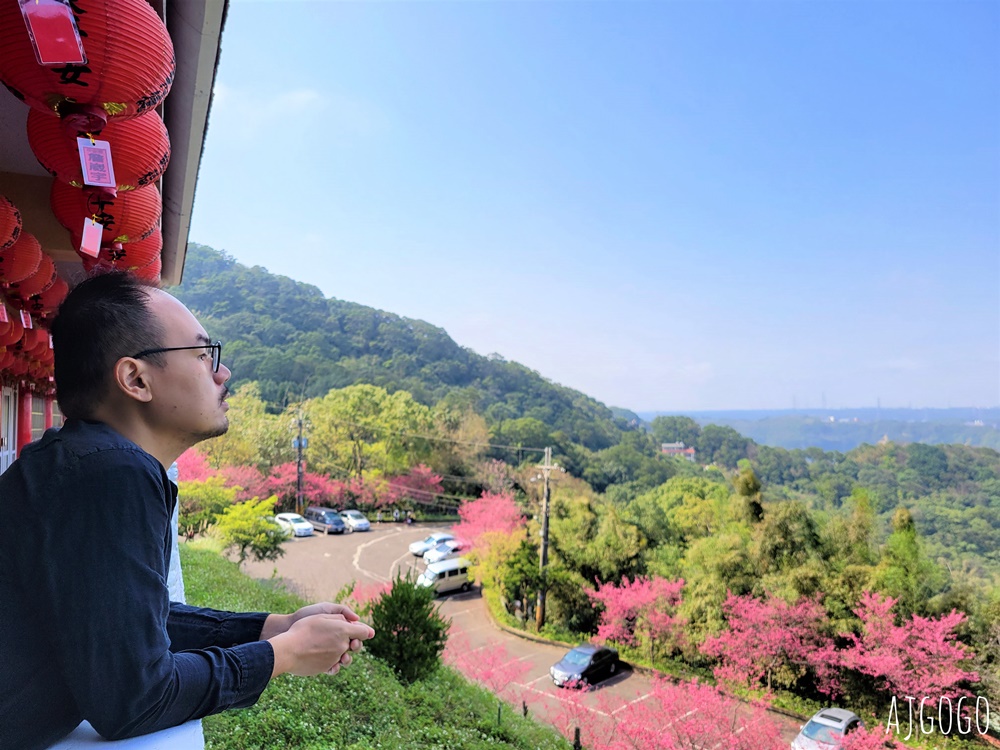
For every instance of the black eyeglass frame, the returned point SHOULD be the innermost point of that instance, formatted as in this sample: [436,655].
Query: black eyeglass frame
[216,348]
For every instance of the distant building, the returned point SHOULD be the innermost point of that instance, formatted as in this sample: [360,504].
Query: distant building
[677,449]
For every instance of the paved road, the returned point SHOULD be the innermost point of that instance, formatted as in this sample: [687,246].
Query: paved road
[319,566]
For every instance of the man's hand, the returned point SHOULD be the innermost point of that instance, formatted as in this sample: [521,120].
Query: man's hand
[276,624]
[316,643]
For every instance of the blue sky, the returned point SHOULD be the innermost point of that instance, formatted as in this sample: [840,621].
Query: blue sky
[667,205]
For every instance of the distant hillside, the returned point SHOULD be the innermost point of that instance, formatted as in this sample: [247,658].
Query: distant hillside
[288,337]
[845,429]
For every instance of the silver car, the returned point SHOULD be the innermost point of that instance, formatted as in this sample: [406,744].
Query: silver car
[826,729]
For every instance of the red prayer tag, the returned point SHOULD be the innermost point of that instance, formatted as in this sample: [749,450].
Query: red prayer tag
[25,319]
[90,244]
[53,32]
[95,159]
[50,342]
[3,314]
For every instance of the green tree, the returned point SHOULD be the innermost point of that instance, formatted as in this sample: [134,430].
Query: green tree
[676,429]
[200,502]
[904,572]
[362,428]
[247,528]
[410,632]
[255,437]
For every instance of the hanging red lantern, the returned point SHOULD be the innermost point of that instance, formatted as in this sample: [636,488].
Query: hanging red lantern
[10,223]
[43,277]
[48,301]
[6,358]
[150,272]
[140,148]
[18,367]
[129,217]
[129,68]
[20,260]
[13,334]
[128,256]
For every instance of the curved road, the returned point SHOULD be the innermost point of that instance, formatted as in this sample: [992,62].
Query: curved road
[318,567]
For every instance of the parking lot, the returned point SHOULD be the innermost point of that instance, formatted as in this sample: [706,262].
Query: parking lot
[319,566]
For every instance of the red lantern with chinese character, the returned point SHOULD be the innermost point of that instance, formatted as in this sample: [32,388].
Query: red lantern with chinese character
[48,302]
[10,223]
[20,260]
[129,68]
[140,149]
[128,256]
[38,282]
[129,217]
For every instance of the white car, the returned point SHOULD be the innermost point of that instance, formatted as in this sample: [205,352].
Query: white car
[444,551]
[294,524]
[354,520]
[419,548]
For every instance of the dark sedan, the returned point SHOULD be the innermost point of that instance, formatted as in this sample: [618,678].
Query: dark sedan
[585,665]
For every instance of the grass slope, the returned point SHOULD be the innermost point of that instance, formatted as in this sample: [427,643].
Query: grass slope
[362,707]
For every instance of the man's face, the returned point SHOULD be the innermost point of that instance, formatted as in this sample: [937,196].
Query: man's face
[188,398]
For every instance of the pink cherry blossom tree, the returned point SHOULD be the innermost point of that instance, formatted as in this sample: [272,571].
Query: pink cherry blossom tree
[644,609]
[773,641]
[920,657]
[192,466]
[491,513]
[247,480]
[317,489]
[492,666]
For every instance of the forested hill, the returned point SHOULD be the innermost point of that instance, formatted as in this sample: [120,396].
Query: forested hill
[286,335]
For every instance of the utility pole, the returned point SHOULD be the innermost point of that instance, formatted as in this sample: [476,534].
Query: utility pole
[299,443]
[546,468]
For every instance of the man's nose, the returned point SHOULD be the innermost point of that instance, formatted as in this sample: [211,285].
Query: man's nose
[223,374]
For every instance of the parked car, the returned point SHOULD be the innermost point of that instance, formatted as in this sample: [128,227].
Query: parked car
[444,551]
[585,665]
[294,524]
[354,520]
[419,548]
[826,729]
[326,520]
[447,575]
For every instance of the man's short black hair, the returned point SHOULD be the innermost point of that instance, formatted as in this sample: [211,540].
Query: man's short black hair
[106,317]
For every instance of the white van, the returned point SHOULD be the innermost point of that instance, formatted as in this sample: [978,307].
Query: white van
[447,575]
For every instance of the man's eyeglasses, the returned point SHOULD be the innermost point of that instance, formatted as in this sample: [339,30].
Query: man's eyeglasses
[215,348]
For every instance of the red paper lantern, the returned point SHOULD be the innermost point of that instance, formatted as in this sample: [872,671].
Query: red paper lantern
[13,334]
[20,260]
[48,301]
[129,68]
[18,367]
[128,256]
[150,272]
[129,217]
[10,223]
[140,149]
[37,283]
[6,358]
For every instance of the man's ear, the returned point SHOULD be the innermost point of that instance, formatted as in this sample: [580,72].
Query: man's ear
[132,377]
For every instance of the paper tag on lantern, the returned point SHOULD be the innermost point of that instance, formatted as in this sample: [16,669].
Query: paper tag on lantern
[3,314]
[25,319]
[50,342]
[95,160]
[53,32]
[90,243]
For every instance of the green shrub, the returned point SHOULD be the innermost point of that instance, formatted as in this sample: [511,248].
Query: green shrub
[410,633]
[246,528]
